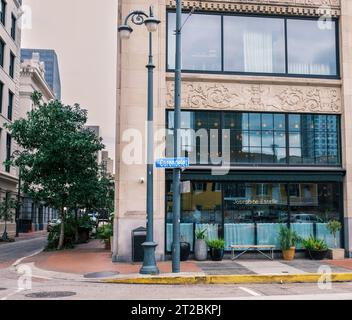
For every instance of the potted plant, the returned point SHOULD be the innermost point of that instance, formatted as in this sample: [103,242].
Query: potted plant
[316,249]
[288,241]
[104,233]
[217,247]
[336,253]
[185,249]
[200,247]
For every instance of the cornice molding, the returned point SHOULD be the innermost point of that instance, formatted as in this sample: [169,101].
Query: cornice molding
[278,7]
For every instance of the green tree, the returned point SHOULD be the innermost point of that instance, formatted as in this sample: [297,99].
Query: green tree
[7,206]
[59,154]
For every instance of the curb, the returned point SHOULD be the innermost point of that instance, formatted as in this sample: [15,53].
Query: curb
[236,279]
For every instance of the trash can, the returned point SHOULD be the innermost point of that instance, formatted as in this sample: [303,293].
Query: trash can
[139,236]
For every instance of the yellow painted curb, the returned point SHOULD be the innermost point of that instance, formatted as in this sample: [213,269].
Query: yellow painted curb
[236,279]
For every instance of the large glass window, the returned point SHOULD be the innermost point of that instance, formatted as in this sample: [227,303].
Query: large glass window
[254,44]
[201,42]
[245,213]
[250,44]
[209,137]
[311,47]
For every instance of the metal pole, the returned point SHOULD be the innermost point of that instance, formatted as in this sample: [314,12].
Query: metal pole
[149,261]
[177,119]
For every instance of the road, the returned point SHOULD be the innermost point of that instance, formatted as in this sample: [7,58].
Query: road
[10,252]
[100,291]
[49,288]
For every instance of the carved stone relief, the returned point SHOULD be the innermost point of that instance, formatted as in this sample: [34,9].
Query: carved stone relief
[257,97]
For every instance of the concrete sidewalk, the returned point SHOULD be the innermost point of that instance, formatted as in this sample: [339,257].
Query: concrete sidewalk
[91,261]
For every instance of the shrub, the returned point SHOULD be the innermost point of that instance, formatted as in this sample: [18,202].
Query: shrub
[54,234]
[314,244]
[201,234]
[105,231]
[288,238]
[216,244]
[334,227]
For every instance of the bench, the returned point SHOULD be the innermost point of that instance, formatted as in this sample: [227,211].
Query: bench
[257,248]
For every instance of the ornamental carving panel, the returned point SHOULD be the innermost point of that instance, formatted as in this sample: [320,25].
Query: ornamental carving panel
[257,97]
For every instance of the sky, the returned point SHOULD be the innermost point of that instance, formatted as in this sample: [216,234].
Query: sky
[83,33]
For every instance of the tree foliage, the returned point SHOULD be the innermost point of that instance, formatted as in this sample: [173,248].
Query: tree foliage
[59,158]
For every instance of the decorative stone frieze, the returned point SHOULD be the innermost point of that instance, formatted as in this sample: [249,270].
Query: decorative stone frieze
[277,7]
[257,97]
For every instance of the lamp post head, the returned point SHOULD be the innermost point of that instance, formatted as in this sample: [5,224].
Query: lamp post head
[125,31]
[152,24]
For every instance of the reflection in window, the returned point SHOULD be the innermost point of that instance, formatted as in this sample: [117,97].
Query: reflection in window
[201,42]
[257,138]
[311,49]
[254,44]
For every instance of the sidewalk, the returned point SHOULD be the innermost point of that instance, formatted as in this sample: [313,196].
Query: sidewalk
[91,261]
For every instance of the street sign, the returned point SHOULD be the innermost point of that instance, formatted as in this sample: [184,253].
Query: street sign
[172,163]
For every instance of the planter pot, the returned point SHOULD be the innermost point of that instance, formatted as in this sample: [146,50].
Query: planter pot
[289,255]
[216,254]
[200,250]
[185,251]
[336,254]
[317,254]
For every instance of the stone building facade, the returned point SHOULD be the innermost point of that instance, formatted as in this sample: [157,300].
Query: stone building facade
[10,43]
[277,74]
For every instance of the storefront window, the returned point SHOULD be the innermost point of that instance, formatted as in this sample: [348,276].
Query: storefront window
[200,209]
[252,213]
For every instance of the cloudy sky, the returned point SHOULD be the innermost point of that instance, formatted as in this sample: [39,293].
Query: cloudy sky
[83,33]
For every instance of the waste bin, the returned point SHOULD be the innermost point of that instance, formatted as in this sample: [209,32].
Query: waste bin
[139,236]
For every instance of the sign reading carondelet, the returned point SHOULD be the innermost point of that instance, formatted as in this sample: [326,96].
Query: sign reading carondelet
[172,163]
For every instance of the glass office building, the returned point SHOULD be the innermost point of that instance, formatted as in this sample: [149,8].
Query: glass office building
[52,70]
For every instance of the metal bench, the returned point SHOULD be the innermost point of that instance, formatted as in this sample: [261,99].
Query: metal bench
[257,248]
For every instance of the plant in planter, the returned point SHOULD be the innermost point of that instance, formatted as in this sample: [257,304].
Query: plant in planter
[185,249]
[200,247]
[217,247]
[105,233]
[317,249]
[336,253]
[288,241]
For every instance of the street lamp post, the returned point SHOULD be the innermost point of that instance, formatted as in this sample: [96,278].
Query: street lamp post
[138,18]
[177,122]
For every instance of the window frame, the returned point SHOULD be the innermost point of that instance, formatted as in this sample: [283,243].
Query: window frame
[13,27]
[286,131]
[284,75]
[2,52]
[1,96]
[3,16]
[12,65]
[10,106]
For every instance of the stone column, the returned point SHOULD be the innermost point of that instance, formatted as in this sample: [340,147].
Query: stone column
[346,58]
[130,202]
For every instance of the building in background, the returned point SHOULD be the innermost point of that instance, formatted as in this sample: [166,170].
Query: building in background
[10,43]
[107,163]
[277,78]
[33,216]
[51,64]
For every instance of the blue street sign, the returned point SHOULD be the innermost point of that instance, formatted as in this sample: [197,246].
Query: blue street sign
[172,163]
